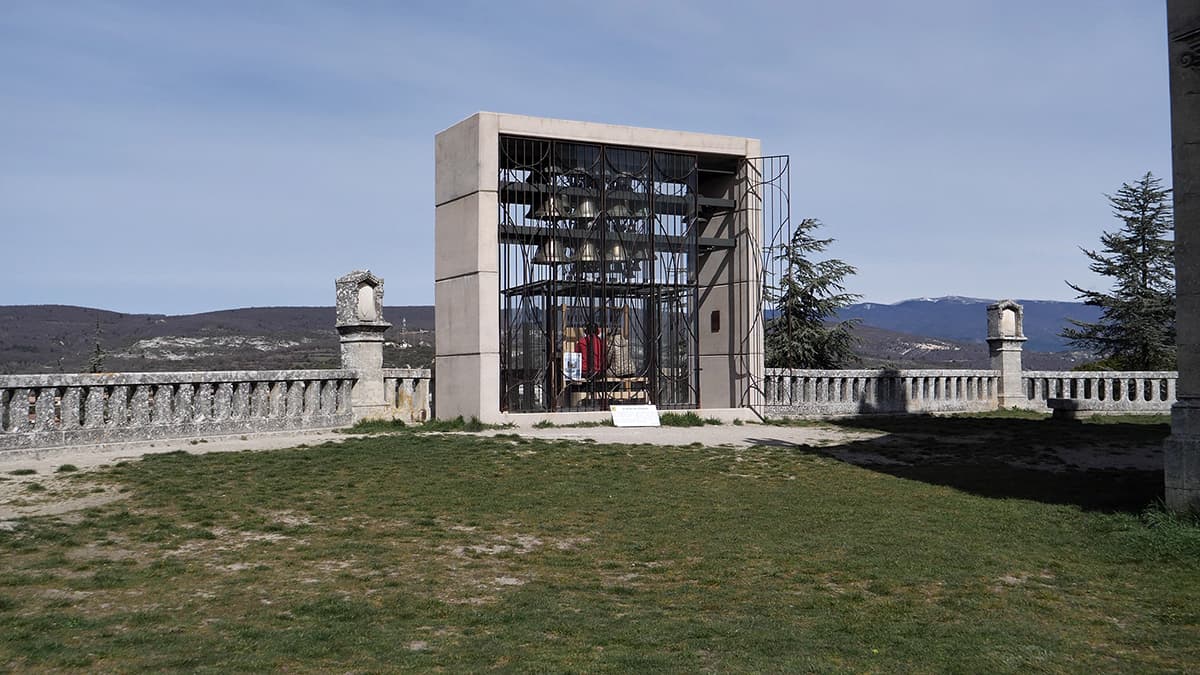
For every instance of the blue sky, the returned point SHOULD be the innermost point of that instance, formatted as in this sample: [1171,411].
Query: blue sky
[178,157]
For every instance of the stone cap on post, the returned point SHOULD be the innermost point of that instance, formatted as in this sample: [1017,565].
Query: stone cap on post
[360,300]
[1006,321]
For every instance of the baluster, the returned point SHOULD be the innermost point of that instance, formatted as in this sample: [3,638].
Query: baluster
[344,391]
[278,400]
[295,399]
[5,400]
[312,397]
[185,403]
[139,406]
[206,401]
[241,400]
[422,393]
[1171,389]
[223,402]
[93,406]
[260,399]
[44,417]
[408,389]
[164,397]
[328,397]
[70,409]
[118,407]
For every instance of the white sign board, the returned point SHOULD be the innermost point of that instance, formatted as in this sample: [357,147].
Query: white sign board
[634,415]
[572,366]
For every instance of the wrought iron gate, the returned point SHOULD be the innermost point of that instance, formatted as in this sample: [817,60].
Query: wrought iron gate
[764,214]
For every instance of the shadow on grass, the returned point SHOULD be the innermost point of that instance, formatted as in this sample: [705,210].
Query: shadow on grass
[1099,465]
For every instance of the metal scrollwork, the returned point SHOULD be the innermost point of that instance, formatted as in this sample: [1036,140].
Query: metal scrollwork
[1190,58]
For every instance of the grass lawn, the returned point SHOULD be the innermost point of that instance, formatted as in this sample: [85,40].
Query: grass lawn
[461,553]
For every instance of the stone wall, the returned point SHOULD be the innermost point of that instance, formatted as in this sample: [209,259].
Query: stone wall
[857,392]
[1115,392]
[409,393]
[41,411]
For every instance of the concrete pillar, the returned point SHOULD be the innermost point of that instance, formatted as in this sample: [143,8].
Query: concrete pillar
[1182,450]
[360,327]
[1005,336]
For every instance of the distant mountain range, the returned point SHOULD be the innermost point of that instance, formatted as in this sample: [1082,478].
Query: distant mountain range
[965,319]
[944,332]
[63,338]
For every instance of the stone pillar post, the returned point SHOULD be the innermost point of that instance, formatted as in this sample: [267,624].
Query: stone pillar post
[360,326]
[1181,463]
[1006,333]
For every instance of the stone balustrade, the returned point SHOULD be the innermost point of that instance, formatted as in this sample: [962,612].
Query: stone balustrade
[409,392]
[38,411]
[855,392]
[1109,391]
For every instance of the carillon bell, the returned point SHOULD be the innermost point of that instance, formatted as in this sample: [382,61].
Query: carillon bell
[586,210]
[551,208]
[616,253]
[618,211]
[551,252]
[586,253]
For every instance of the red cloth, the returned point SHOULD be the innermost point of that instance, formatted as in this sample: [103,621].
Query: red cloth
[592,348]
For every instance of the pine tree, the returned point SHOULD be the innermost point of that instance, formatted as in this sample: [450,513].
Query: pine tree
[96,363]
[809,295]
[1137,328]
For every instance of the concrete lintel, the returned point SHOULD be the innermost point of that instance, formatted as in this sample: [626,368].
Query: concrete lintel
[595,132]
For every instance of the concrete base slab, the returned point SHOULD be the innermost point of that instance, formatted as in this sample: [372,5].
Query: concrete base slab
[527,420]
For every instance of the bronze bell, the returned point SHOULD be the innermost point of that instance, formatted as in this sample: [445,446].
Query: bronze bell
[616,253]
[550,252]
[551,208]
[586,210]
[618,211]
[586,253]
[641,251]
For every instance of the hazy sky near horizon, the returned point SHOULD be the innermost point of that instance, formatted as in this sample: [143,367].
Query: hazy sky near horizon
[177,157]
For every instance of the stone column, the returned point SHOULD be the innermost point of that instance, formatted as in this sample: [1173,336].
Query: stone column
[360,326]
[1006,333]
[1182,450]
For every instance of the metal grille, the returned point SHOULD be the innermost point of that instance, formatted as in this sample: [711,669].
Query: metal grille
[764,220]
[598,248]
